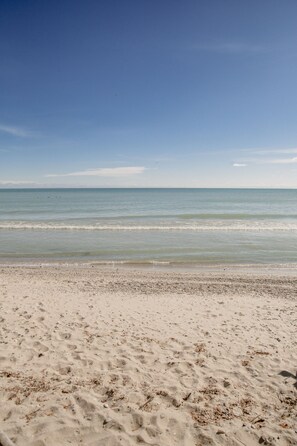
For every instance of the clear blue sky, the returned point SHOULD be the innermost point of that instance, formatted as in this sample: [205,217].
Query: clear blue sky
[148,93]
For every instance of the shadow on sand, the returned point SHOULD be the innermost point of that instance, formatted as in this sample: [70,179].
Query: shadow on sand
[289,375]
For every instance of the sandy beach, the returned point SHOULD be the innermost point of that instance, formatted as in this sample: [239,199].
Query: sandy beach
[94,355]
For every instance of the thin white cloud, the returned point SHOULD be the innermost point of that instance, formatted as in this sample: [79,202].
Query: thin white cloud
[261,161]
[268,151]
[230,47]
[15,131]
[104,172]
[261,156]
[15,183]
[282,161]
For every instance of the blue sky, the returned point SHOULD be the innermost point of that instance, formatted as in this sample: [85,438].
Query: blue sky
[148,93]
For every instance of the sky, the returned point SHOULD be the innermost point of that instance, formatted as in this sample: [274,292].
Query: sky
[148,93]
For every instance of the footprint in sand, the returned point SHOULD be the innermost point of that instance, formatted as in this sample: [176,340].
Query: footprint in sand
[65,335]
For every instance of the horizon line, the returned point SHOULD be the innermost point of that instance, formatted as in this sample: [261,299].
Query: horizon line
[147,188]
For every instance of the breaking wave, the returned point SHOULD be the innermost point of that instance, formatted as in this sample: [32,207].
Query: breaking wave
[260,226]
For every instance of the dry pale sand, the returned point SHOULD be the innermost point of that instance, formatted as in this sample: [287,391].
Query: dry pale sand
[97,356]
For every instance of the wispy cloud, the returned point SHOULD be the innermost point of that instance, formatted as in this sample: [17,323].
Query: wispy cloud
[261,161]
[230,47]
[268,151]
[265,156]
[104,172]
[282,161]
[15,131]
[16,183]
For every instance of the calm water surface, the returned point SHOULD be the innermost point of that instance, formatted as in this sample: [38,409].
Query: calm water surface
[150,225]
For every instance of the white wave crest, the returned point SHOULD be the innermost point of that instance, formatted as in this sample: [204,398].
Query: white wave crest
[197,227]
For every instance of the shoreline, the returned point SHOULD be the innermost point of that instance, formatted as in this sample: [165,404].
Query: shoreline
[190,267]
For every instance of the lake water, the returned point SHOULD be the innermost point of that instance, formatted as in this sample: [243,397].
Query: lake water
[150,225]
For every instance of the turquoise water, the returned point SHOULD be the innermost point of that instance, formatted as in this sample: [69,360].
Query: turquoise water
[150,225]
